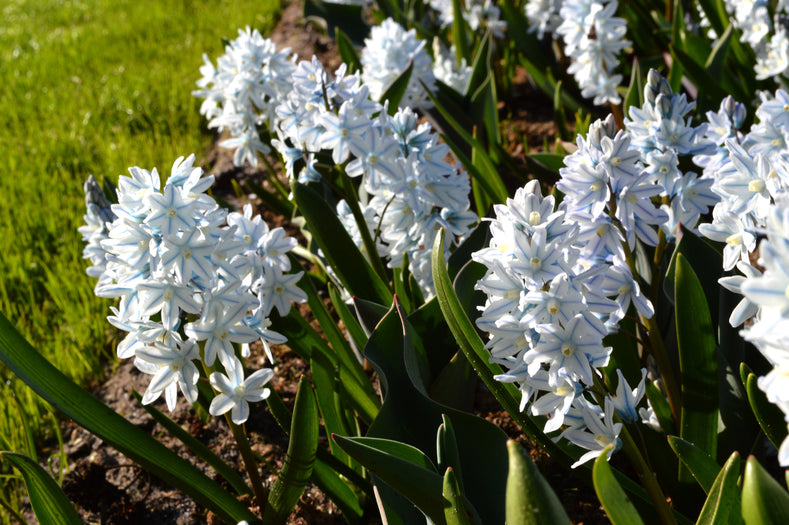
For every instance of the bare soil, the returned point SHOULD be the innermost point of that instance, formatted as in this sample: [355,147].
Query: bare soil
[107,488]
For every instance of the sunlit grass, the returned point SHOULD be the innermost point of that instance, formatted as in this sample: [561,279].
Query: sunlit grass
[89,87]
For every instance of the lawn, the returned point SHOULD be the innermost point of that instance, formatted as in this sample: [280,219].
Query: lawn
[89,87]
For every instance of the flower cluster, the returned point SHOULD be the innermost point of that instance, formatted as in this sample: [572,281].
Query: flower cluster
[408,189]
[388,53]
[764,30]
[192,282]
[241,91]
[547,313]
[593,37]
[562,278]
[751,174]
[478,14]
[662,131]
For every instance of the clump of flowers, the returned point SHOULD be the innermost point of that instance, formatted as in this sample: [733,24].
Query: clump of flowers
[195,284]
[561,278]
[751,176]
[408,189]
[241,91]
[593,37]
[388,53]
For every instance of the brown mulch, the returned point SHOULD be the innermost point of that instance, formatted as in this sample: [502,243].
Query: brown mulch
[107,488]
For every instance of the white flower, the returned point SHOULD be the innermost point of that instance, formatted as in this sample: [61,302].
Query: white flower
[235,392]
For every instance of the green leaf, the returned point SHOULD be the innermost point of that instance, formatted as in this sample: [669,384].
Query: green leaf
[764,500]
[354,272]
[698,361]
[716,59]
[487,172]
[460,33]
[49,503]
[699,463]
[559,115]
[347,51]
[77,404]
[300,458]
[484,99]
[635,92]
[325,376]
[530,499]
[331,16]
[408,415]
[339,490]
[709,86]
[447,450]
[454,510]
[341,349]
[770,417]
[352,325]
[661,407]
[403,467]
[677,41]
[395,91]
[197,448]
[700,254]
[724,496]
[617,505]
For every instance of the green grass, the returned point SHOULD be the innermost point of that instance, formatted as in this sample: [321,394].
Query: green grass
[89,87]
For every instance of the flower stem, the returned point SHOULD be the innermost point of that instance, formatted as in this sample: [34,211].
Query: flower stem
[647,478]
[250,463]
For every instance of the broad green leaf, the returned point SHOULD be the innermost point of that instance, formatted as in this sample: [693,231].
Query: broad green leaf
[454,510]
[325,377]
[764,500]
[338,489]
[447,452]
[487,171]
[717,58]
[723,504]
[661,407]
[77,404]
[355,273]
[559,115]
[534,55]
[700,254]
[617,505]
[403,467]
[698,361]
[711,87]
[197,448]
[478,239]
[677,42]
[395,91]
[409,416]
[369,314]
[699,462]
[332,15]
[635,92]
[300,458]
[767,414]
[455,385]
[352,325]
[49,503]
[530,499]
[460,33]
[347,51]
[341,349]
[484,99]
